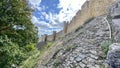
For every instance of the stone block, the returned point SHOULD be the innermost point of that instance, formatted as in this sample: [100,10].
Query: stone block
[115,10]
[113,56]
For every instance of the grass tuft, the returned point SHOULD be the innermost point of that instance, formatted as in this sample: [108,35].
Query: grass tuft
[35,57]
[105,46]
[69,48]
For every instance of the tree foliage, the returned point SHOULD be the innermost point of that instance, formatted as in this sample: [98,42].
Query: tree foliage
[10,53]
[15,21]
[17,33]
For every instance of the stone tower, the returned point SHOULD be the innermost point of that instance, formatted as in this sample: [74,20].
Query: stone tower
[45,38]
[65,27]
[54,35]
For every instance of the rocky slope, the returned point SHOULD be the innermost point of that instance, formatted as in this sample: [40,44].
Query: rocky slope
[82,48]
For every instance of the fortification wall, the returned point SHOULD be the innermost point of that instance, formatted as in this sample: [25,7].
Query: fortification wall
[90,9]
[50,37]
[59,34]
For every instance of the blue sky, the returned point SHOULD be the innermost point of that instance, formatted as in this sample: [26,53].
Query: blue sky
[50,15]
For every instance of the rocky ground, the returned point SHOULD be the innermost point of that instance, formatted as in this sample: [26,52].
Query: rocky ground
[82,48]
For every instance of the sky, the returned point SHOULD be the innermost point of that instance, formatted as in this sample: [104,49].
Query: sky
[49,15]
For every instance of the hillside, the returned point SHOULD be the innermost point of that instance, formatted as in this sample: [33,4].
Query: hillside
[81,48]
[84,47]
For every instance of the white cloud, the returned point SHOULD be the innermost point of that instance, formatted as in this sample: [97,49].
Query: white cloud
[38,23]
[42,26]
[51,17]
[39,8]
[43,31]
[45,28]
[35,3]
[69,9]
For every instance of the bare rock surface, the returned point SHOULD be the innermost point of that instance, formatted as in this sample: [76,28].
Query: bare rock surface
[81,49]
[113,56]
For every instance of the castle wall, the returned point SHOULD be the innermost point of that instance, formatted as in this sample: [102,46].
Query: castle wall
[50,37]
[90,9]
[59,34]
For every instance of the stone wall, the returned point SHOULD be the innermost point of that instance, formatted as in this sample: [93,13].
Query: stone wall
[52,37]
[59,34]
[90,9]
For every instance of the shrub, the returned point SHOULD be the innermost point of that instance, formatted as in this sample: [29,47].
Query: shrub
[105,46]
[102,66]
[48,45]
[31,61]
[57,63]
[10,53]
[30,47]
[71,47]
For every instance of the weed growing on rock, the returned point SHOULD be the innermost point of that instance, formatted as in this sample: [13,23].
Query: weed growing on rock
[105,46]
[102,66]
[57,63]
[69,48]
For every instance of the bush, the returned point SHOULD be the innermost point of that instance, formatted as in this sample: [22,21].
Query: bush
[57,63]
[10,53]
[102,66]
[48,44]
[13,55]
[105,46]
[31,61]
[30,47]
[71,47]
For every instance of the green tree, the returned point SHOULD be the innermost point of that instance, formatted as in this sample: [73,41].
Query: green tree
[10,53]
[15,21]
[17,33]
